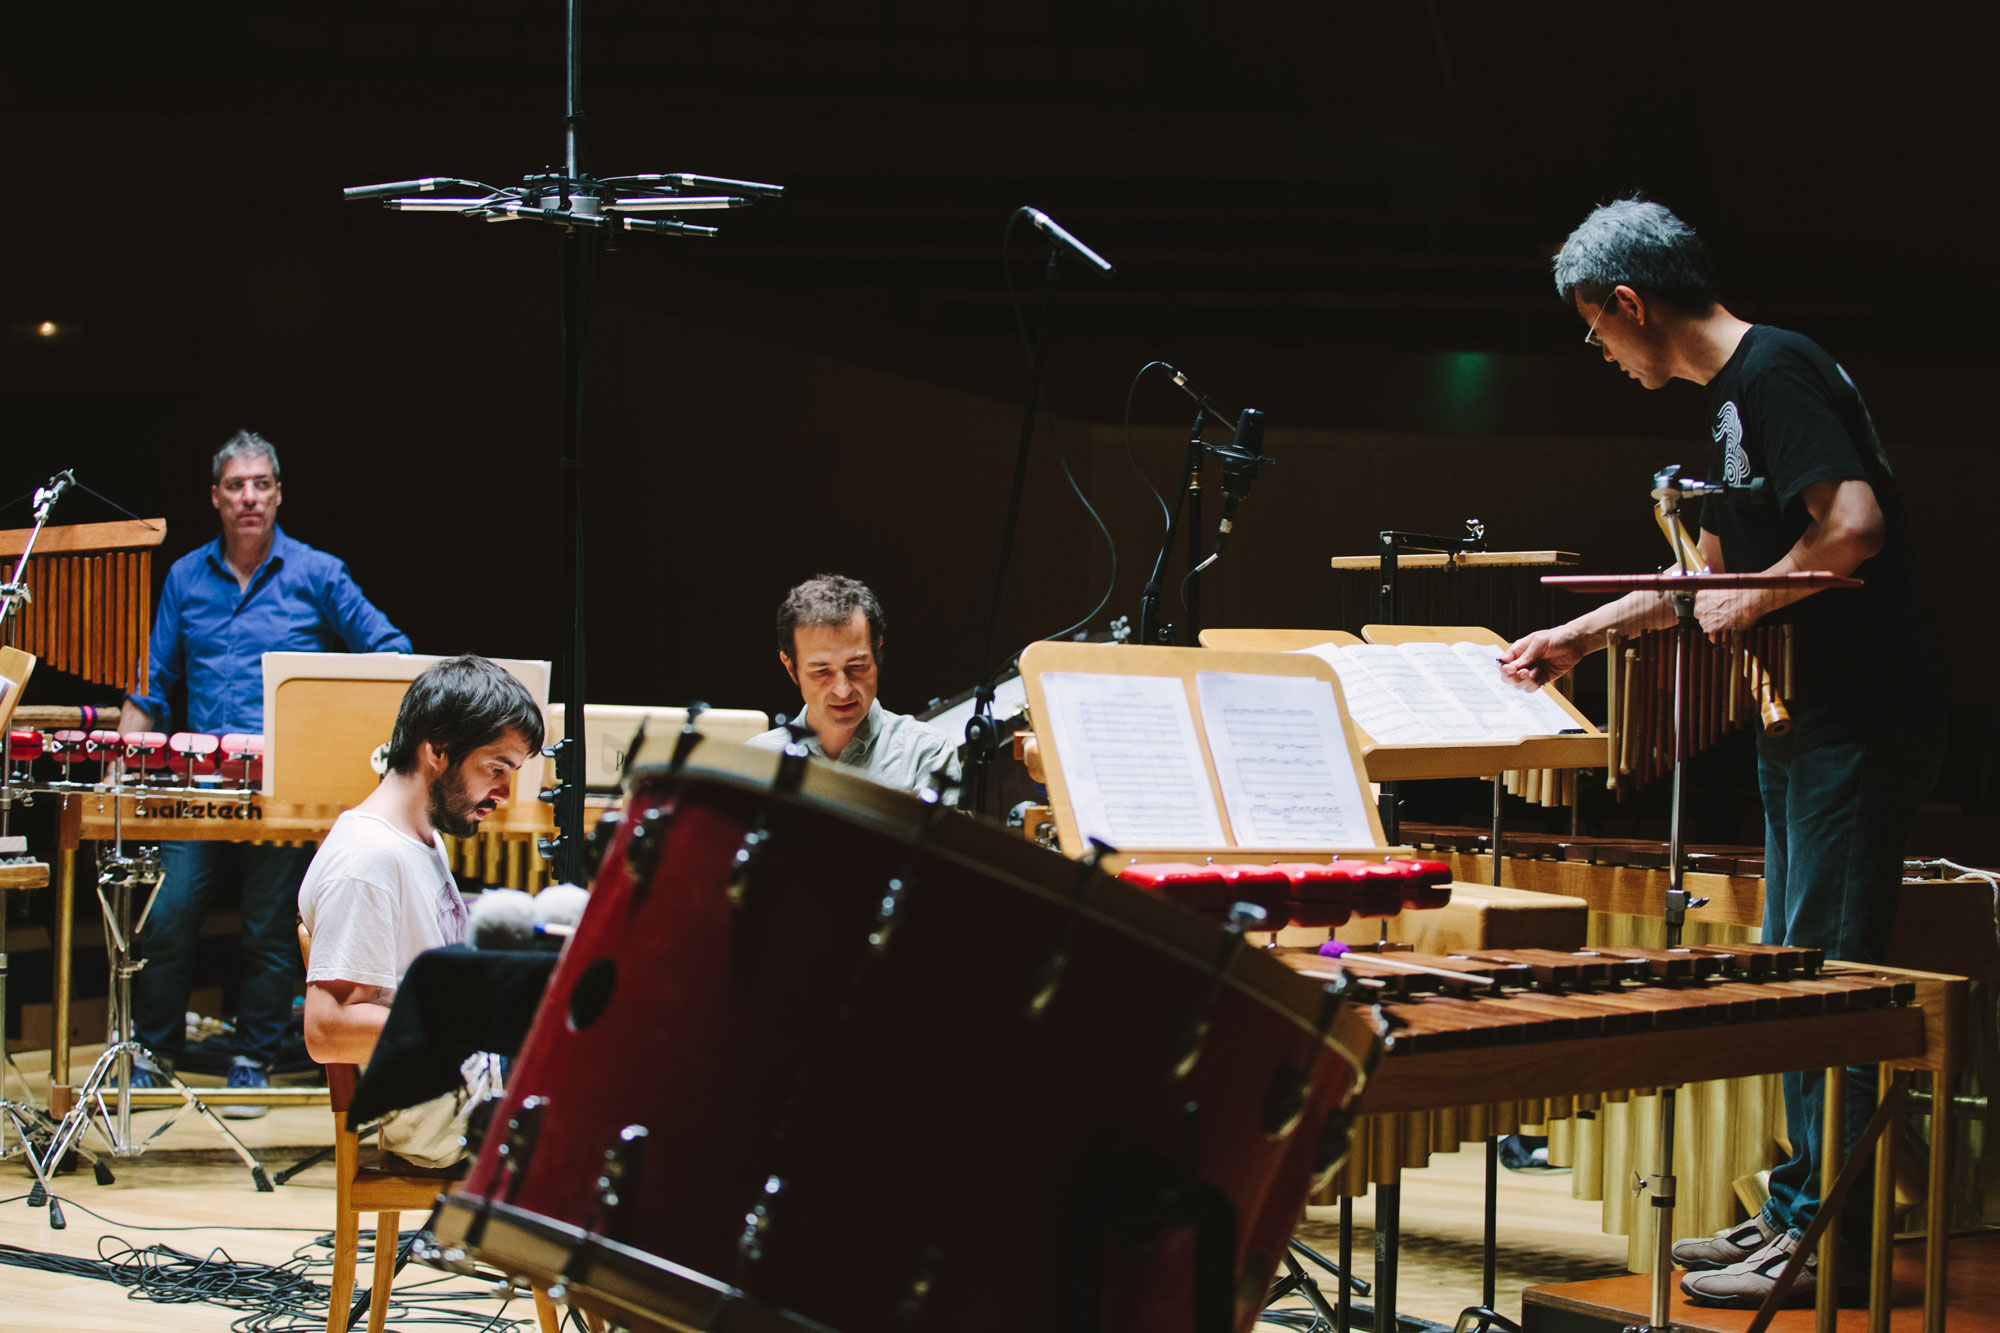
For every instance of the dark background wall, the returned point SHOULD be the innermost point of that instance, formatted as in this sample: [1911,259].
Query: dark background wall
[1340,213]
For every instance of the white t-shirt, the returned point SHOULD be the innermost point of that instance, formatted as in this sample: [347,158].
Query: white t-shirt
[373,899]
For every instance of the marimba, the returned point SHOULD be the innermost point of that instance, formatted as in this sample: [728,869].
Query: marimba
[1543,1029]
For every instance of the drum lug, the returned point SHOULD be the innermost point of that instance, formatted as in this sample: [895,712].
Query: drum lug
[888,913]
[792,759]
[648,839]
[757,1226]
[1243,917]
[1291,1088]
[516,1150]
[621,1160]
[1048,978]
[689,738]
[600,840]
[743,866]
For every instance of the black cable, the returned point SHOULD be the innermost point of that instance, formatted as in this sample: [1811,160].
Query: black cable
[274,1298]
[113,503]
[1166,515]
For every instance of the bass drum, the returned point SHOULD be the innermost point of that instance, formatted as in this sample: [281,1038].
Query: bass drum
[825,1054]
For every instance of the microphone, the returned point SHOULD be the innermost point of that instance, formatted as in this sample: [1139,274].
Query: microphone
[1054,231]
[502,919]
[1240,466]
[560,906]
[1200,396]
[393,188]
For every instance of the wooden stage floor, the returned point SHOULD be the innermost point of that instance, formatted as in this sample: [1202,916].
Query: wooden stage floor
[188,1179]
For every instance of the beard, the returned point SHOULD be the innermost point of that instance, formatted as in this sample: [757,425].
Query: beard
[452,810]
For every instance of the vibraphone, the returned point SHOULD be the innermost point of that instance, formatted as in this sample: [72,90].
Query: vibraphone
[1540,1029]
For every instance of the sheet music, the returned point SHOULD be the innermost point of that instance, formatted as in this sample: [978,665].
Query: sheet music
[1374,709]
[1425,693]
[1281,753]
[1398,673]
[1549,717]
[1501,711]
[1131,760]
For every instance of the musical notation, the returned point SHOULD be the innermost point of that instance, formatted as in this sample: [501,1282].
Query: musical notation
[1281,754]
[1132,760]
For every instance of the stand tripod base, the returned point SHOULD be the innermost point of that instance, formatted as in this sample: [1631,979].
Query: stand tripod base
[114,1067]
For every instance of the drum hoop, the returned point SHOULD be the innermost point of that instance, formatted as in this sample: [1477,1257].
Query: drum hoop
[545,1250]
[1356,1036]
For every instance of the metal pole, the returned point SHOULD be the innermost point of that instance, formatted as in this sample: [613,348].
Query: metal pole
[1832,1156]
[65,927]
[578,251]
[1663,1217]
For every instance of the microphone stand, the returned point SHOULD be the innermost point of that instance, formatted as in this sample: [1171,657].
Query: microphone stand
[592,212]
[1187,495]
[982,731]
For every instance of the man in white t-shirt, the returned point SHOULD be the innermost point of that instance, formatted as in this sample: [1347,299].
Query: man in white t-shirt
[380,890]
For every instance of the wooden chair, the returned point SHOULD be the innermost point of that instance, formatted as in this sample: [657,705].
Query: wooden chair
[371,1182]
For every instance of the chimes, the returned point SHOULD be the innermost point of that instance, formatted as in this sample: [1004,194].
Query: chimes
[91,597]
[1743,678]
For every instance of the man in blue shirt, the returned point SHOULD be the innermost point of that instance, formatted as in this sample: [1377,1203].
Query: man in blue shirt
[251,591]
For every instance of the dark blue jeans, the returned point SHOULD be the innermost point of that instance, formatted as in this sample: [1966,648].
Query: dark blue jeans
[1836,817]
[191,873]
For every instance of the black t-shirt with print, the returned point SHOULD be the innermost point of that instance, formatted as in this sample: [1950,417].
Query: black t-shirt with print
[1782,410]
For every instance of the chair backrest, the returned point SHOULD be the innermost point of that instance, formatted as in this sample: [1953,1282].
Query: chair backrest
[340,1079]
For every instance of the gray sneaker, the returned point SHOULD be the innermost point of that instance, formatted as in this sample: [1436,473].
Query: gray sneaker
[1726,1248]
[1744,1286]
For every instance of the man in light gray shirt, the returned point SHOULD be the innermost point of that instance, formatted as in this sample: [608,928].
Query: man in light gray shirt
[830,631]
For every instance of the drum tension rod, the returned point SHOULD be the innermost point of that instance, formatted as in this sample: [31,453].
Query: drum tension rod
[621,1160]
[514,1152]
[1048,978]
[889,912]
[1291,1087]
[1243,918]
[683,744]
[644,846]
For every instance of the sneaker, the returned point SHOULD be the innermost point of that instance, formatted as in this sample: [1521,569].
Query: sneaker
[1744,1286]
[146,1074]
[1726,1248]
[246,1076]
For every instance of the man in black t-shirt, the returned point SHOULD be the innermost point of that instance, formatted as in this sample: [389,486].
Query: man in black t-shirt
[1840,789]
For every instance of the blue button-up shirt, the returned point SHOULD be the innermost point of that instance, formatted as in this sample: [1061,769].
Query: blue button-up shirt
[212,634]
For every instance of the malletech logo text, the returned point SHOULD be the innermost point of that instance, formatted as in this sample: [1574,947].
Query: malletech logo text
[159,809]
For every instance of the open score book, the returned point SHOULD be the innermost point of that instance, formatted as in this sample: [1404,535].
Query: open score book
[1131,752]
[1426,693]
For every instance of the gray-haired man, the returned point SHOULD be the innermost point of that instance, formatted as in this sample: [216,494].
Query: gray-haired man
[1841,788]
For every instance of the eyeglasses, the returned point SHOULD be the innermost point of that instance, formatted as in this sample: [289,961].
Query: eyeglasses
[1590,339]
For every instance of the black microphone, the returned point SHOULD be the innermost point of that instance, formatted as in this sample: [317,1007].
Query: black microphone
[1200,396]
[1054,230]
[1240,466]
[393,188]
